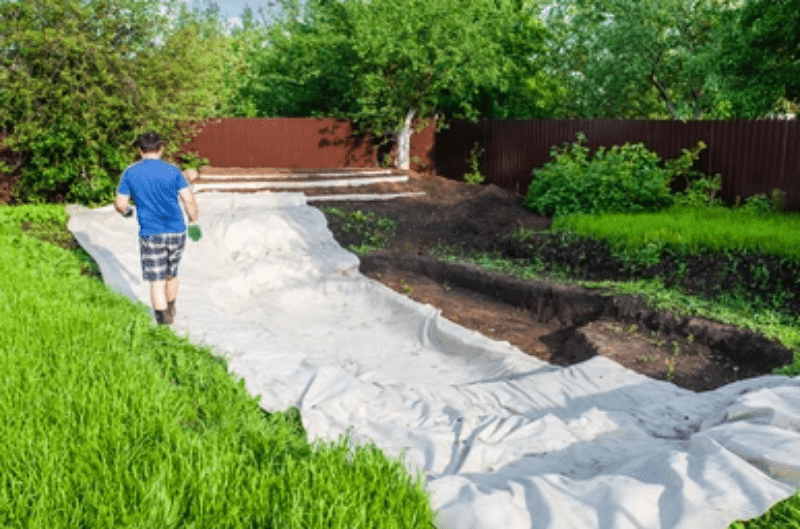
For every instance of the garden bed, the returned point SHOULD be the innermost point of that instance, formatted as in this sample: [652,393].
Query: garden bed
[555,322]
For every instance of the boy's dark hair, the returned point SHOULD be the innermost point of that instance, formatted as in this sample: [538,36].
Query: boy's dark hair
[149,141]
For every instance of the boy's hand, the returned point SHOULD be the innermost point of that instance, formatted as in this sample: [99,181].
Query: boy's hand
[194,232]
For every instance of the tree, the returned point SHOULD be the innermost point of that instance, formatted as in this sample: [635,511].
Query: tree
[385,63]
[641,58]
[760,58]
[79,79]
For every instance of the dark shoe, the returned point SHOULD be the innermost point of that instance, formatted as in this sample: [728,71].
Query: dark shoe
[161,317]
[171,311]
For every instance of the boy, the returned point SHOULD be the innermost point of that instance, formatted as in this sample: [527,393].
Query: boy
[155,187]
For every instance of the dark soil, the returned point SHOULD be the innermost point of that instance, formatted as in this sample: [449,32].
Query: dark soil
[556,323]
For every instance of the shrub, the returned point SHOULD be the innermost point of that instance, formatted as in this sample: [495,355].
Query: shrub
[700,193]
[761,203]
[474,177]
[627,178]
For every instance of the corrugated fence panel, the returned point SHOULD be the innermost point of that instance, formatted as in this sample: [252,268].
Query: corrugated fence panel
[282,142]
[752,156]
[790,182]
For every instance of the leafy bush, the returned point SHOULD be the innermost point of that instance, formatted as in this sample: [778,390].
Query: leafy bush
[81,80]
[761,203]
[627,178]
[700,193]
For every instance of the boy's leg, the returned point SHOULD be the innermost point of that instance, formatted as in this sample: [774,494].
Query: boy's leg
[172,293]
[158,294]
[172,288]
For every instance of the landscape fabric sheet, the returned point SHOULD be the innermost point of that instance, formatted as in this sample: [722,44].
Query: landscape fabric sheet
[505,441]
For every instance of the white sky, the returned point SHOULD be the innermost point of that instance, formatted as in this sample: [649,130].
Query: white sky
[232,10]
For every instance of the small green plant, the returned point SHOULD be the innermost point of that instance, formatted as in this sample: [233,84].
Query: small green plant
[522,234]
[676,348]
[475,177]
[670,370]
[633,328]
[407,289]
[690,338]
[387,160]
[646,358]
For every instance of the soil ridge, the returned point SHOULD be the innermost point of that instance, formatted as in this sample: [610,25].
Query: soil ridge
[575,307]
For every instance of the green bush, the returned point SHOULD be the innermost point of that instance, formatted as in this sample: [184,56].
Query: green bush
[627,178]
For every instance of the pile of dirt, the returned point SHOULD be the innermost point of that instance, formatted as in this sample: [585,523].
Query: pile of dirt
[556,323]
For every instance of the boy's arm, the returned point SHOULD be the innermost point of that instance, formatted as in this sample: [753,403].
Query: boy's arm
[190,203]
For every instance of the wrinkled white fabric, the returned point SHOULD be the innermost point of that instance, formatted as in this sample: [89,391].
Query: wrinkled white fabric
[505,441]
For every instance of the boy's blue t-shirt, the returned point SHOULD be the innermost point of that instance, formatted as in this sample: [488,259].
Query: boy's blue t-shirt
[154,186]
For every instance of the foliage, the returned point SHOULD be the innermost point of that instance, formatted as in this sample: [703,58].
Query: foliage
[81,79]
[627,178]
[192,160]
[474,177]
[760,57]
[640,58]
[179,444]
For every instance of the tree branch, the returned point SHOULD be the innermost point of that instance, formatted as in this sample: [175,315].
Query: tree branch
[664,95]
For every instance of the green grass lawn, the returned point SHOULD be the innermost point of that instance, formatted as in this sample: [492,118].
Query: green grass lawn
[110,421]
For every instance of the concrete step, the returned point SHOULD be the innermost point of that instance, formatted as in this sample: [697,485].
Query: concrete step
[266,184]
[317,185]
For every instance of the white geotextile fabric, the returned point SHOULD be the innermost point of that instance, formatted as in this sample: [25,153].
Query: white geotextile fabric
[505,441]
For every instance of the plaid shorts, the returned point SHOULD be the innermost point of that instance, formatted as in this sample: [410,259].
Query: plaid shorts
[161,254]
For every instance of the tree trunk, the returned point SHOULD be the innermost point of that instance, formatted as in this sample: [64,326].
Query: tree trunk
[404,143]
[664,95]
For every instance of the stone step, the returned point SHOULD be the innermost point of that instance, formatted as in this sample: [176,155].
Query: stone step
[266,184]
[334,184]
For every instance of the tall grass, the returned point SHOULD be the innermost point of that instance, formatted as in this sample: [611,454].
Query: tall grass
[110,421]
[690,230]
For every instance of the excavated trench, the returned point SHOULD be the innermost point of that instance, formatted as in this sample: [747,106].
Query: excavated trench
[580,318]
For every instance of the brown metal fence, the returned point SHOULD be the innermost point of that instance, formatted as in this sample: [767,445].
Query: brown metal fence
[296,143]
[751,156]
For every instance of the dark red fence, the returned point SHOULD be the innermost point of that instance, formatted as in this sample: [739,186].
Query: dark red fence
[751,156]
[296,143]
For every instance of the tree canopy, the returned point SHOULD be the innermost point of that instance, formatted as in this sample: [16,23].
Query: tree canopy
[382,61]
[640,58]
[761,57]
